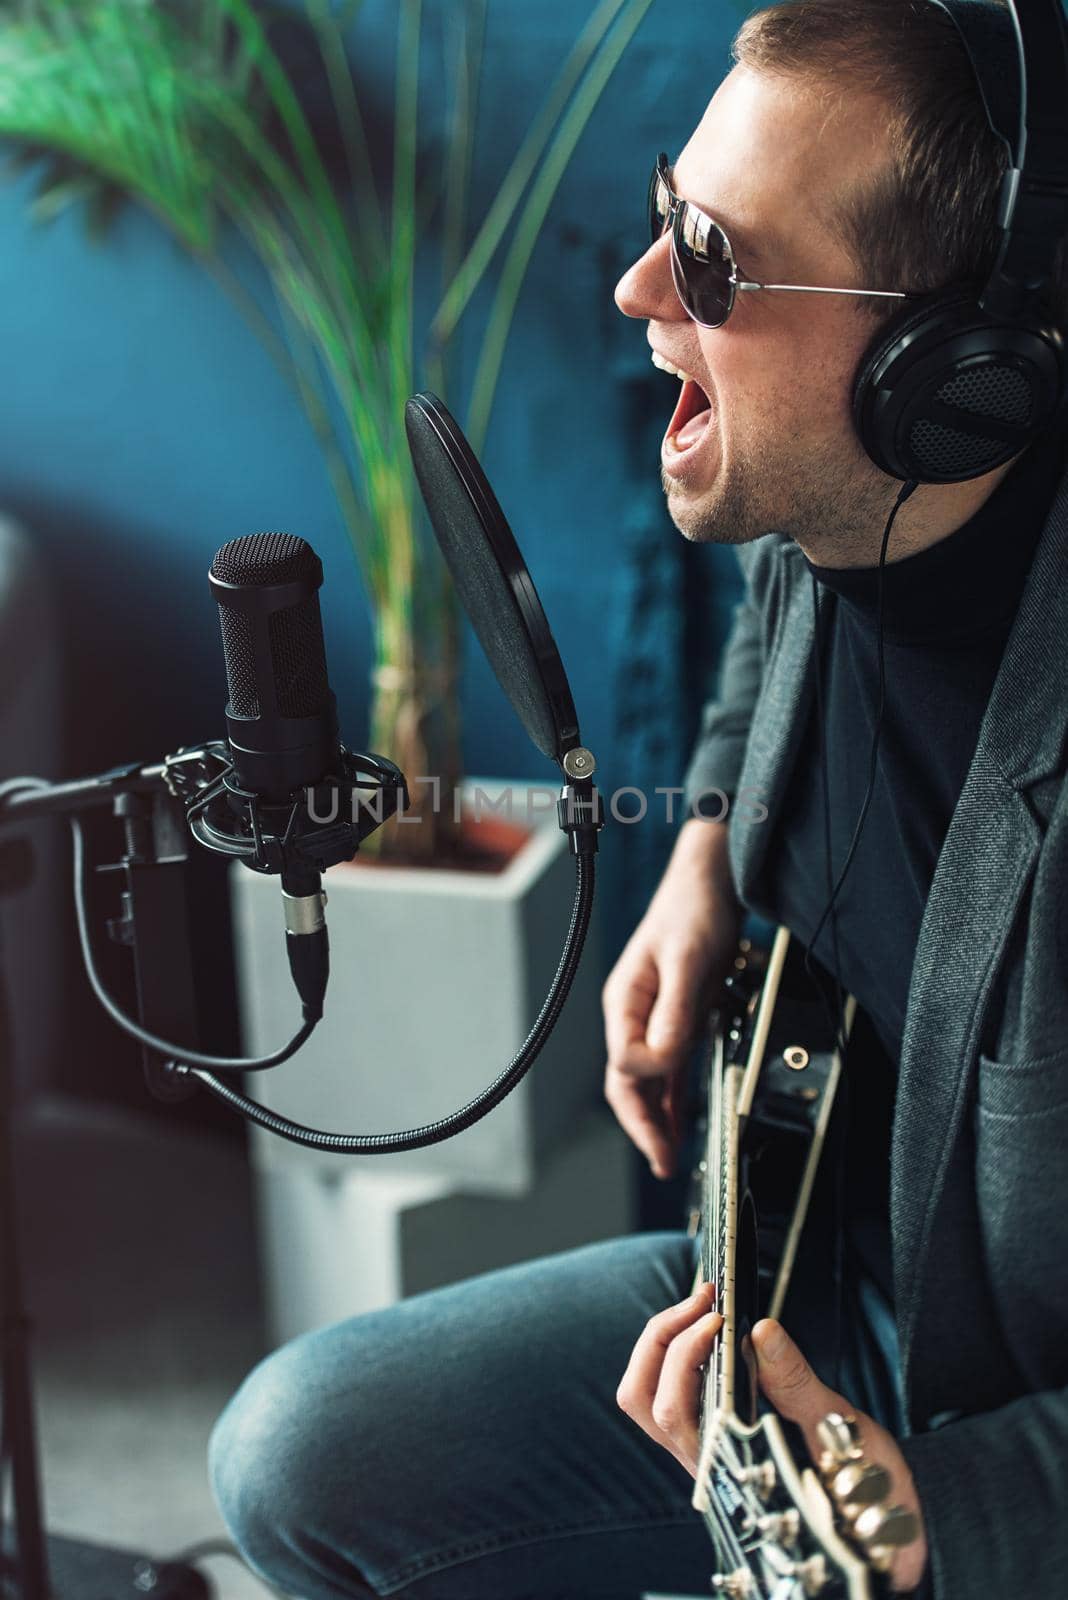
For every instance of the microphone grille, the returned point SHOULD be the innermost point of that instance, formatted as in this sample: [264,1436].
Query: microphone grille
[294,633]
[262,558]
[240,653]
[299,659]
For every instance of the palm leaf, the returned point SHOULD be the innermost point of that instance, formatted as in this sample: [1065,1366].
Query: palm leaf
[185,107]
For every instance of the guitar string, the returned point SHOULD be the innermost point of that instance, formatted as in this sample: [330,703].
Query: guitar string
[731,1545]
[727,1544]
[725,1450]
[734,1545]
[760,1542]
[736,1550]
[760,1537]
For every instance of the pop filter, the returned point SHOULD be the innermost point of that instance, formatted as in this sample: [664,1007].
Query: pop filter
[493,583]
[502,603]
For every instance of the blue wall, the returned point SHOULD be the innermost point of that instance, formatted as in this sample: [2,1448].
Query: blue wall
[144,425]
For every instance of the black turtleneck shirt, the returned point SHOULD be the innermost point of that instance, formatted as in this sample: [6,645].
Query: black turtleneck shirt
[947,613]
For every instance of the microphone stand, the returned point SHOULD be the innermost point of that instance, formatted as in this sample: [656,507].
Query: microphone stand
[157,807]
[197,789]
[47,1568]
[19,1436]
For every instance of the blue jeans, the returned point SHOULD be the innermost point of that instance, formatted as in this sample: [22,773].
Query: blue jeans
[465,1444]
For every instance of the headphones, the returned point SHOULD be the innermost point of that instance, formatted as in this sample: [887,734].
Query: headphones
[961,381]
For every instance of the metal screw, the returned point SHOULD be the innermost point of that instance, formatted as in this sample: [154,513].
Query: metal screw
[579,763]
[736,1585]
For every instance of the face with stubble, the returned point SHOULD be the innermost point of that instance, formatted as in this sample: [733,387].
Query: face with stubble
[761,439]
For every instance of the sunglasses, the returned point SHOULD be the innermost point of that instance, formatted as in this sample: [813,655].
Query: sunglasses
[703,268]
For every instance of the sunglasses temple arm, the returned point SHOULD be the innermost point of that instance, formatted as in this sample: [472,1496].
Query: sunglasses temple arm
[811,288]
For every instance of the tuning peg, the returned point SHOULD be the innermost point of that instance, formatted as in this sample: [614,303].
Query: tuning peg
[784,1527]
[762,1477]
[889,1526]
[813,1574]
[858,1484]
[840,1439]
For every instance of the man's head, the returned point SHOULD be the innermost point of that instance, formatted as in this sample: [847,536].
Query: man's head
[847,148]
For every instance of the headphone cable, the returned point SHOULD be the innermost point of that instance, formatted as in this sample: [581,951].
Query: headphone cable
[836,1025]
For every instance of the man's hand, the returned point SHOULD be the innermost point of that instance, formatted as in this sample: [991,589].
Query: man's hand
[657,990]
[798,1395]
[661,1388]
[661,1391]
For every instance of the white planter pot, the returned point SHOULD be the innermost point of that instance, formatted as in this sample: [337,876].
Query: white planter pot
[436,978]
[334,1248]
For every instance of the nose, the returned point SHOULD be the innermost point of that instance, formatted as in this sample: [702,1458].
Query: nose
[646,289]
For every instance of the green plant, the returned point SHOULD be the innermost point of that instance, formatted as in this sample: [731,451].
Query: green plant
[188,108]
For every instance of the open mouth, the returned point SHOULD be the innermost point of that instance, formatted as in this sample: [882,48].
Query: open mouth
[691,418]
[692,415]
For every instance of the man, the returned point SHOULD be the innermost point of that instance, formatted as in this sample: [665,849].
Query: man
[471,1442]
[758,443]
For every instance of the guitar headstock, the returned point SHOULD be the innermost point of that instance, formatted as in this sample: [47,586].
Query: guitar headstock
[781,1532]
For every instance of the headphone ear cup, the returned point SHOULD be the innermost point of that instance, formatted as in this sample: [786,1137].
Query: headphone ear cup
[944,394]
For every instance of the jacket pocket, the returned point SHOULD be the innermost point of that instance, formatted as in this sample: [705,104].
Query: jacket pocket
[1021,1174]
[1034,1087]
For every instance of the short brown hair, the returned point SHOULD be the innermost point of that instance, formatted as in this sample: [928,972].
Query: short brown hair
[928,219]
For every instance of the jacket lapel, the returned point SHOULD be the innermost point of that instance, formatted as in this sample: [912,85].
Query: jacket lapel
[777,724]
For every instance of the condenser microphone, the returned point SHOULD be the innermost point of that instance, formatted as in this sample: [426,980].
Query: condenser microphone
[281,720]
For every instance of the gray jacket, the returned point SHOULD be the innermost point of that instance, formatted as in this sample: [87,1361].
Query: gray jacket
[979,1179]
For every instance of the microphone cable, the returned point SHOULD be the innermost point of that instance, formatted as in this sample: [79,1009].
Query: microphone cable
[163,1047]
[474,1110]
[204,1067]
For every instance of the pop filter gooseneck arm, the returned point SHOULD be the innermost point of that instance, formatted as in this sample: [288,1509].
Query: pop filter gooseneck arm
[446,1127]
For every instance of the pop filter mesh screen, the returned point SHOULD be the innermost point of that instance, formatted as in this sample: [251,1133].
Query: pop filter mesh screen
[487,569]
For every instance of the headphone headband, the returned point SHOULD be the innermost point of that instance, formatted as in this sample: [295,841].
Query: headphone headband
[961,382]
[1028,111]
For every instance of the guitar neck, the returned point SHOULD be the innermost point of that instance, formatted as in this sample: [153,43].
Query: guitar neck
[772,1074]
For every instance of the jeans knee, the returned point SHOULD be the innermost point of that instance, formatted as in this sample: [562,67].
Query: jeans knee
[259,1460]
[286,1469]
[235,1466]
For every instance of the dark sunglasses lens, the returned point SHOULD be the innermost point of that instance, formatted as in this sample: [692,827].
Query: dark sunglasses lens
[703,266]
[659,206]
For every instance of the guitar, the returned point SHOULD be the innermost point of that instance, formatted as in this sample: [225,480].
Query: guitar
[780,1531]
